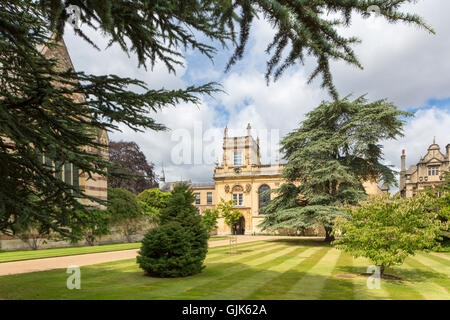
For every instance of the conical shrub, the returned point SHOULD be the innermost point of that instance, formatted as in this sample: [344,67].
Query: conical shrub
[178,246]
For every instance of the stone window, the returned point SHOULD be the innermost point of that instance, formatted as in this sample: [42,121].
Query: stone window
[263,198]
[238,199]
[433,171]
[197,198]
[237,160]
[209,198]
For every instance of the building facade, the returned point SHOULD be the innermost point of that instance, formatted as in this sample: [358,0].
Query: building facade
[425,174]
[243,178]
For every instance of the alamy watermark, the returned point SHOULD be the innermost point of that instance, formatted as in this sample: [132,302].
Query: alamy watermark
[74,280]
[74,13]
[374,281]
[200,146]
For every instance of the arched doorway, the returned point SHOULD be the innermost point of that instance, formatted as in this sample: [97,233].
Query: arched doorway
[239,227]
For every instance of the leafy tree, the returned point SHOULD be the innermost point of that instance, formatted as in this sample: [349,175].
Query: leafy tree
[97,225]
[209,219]
[153,201]
[441,205]
[126,213]
[336,148]
[230,214]
[52,109]
[388,230]
[132,161]
[178,246]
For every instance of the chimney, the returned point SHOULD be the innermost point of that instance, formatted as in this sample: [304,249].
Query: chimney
[249,130]
[403,170]
[403,157]
[448,151]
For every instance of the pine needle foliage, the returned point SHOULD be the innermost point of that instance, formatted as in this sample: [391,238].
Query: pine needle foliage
[178,246]
[335,149]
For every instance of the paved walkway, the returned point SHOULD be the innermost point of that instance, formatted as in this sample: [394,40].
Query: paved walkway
[26,266]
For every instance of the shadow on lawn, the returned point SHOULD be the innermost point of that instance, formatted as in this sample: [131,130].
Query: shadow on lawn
[401,274]
[319,242]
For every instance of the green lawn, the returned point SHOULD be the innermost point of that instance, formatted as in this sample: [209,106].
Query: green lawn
[8,256]
[272,269]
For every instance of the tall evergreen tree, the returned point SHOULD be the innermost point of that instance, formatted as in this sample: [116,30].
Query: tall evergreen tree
[40,106]
[335,149]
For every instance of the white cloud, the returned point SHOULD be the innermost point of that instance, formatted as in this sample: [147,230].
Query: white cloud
[418,135]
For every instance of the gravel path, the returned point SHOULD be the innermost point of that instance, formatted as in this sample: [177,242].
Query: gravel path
[26,266]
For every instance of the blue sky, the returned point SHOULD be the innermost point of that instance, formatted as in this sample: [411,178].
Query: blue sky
[405,64]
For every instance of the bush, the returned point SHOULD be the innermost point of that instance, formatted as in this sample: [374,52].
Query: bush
[388,230]
[126,213]
[178,246]
[152,201]
[209,220]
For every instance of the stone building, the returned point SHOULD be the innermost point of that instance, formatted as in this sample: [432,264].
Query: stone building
[427,173]
[243,178]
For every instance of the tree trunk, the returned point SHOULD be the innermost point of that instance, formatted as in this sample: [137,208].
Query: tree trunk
[328,234]
[382,271]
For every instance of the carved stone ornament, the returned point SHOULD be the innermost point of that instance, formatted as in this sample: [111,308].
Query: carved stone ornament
[237,188]
[248,187]
[227,188]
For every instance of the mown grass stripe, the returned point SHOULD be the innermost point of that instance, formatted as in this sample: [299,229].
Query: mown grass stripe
[171,288]
[310,286]
[244,288]
[224,254]
[442,268]
[221,284]
[442,255]
[276,287]
[362,290]
[402,289]
[437,258]
[438,284]
[336,287]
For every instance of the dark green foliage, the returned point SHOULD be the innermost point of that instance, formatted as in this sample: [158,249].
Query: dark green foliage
[97,225]
[335,149]
[126,213]
[39,115]
[178,246]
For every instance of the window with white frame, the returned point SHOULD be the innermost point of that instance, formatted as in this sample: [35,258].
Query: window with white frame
[237,159]
[209,198]
[433,171]
[238,199]
[197,198]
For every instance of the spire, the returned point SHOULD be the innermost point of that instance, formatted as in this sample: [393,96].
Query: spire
[163,175]
[249,128]
[434,140]
[225,132]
